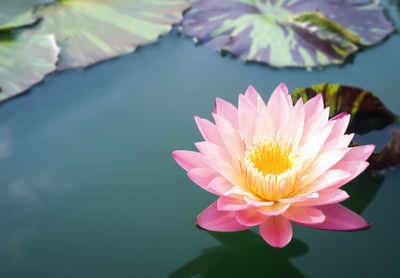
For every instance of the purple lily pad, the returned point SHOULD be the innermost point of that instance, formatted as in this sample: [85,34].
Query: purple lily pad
[300,33]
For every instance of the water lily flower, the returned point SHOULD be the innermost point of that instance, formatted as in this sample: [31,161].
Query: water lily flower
[273,164]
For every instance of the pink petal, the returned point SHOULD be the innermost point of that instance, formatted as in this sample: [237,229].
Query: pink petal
[208,130]
[307,215]
[228,111]
[227,203]
[232,141]
[247,117]
[323,163]
[339,218]
[250,217]
[313,106]
[354,168]
[189,159]
[220,185]
[297,199]
[213,219]
[338,116]
[202,176]
[326,197]
[313,145]
[292,128]
[314,124]
[332,177]
[340,126]
[252,95]
[273,210]
[221,161]
[277,105]
[264,127]
[359,153]
[277,231]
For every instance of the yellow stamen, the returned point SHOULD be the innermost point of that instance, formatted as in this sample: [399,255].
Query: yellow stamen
[272,168]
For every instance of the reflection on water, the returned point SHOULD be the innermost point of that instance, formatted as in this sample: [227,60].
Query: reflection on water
[243,254]
[362,190]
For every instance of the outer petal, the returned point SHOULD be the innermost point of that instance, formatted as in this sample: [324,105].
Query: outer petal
[189,159]
[202,176]
[307,215]
[277,231]
[228,111]
[273,210]
[213,219]
[359,152]
[301,198]
[232,141]
[220,185]
[339,218]
[250,217]
[208,130]
[326,197]
[231,204]
[313,106]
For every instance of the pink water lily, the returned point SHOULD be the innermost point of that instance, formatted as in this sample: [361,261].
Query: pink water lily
[273,164]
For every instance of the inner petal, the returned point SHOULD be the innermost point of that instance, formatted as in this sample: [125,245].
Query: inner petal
[272,169]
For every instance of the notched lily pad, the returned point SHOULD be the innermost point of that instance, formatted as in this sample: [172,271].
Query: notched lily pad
[89,31]
[18,13]
[300,33]
[25,60]
[389,156]
[367,111]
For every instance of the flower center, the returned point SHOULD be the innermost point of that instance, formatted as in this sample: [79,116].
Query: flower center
[272,168]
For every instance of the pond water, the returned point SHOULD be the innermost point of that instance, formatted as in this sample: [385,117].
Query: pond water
[88,187]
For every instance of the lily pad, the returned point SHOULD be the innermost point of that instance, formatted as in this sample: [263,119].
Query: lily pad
[89,31]
[25,60]
[17,13]
[301,33]
[389,156]
[367,111]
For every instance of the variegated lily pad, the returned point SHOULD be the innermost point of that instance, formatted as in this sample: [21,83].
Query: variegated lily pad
[89,31]
[25,60]
[301,33]
[17,13]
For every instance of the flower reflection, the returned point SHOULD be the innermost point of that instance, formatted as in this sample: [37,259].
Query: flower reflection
[243,254]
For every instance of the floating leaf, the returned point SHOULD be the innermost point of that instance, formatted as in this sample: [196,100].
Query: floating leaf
[389,156]
[17,13]
[303,33]
[89,31]
[25,60]
[367,111]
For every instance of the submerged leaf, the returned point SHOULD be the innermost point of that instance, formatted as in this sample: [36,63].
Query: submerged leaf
[389,156]
[17,13]
[303,33]
[89,31]
[25,60]
[367,111]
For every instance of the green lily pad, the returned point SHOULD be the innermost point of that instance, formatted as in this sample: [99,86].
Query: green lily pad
[17,13]
[367,111]
[25,60]
[89,31]
[299,33]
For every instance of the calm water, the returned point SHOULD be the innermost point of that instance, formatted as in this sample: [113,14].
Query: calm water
[88,187]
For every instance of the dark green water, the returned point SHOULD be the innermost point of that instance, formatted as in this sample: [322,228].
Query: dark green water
[88,187]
